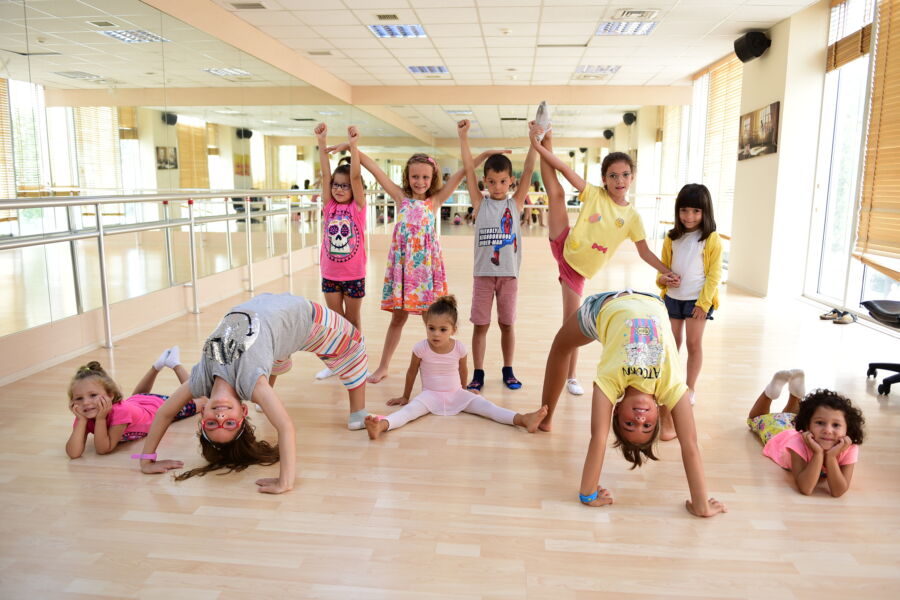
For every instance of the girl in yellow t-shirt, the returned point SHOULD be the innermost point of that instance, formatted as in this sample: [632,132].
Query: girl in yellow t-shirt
[605,221]
[638,376]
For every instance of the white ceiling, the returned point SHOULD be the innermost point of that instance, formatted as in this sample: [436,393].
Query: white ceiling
[481,42]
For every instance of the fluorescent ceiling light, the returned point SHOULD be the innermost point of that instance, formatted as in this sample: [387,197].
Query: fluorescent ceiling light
[458,112]
[598,69]
[627,27]
[227,111]
[78,75]
[423,70]
[397,31]
[329,113]
[133,36]
[229,72]
[268,121]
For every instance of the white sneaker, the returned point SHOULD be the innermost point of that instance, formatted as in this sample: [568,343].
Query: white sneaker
[574,387]
[542,118]
[257,407]
[173,358]
[324,373]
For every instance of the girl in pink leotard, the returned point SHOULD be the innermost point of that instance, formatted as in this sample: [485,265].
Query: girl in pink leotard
[442,362]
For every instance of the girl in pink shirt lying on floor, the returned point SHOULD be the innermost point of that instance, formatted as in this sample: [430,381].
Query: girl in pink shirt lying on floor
[99,408]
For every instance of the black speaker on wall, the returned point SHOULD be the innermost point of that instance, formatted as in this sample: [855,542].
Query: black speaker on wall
[169,118]
[608,134]
[751,45]
[629,118]
[243,134]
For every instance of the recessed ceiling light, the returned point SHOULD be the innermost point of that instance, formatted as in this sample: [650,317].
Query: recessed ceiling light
[397,31]
[427,70]
[329,113]
[598,69]
[627,27]
[78,75]
[133,36]
[228,72]
[228,111]
[458,112]
[633,14]
[268,121]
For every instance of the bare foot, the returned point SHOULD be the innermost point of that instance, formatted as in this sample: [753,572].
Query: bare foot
[533,419]
[545,425]
[378,375]
[375,426]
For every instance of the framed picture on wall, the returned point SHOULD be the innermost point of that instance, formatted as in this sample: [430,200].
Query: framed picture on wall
[759,132]
[166,157]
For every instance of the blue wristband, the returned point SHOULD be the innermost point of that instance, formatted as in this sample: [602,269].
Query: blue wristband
[589,498]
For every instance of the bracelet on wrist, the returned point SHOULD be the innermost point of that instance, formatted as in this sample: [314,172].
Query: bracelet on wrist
[145,456]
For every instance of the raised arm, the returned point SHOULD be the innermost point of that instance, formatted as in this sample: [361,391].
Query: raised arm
[553,160]
[272,406]
[164,417]
[411,374]
[475,197]
[393,190]
[324,162]
[601,418]
[700,504]
[525,180]
[356,182]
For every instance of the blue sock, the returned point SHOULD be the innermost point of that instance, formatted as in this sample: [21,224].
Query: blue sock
[510,379]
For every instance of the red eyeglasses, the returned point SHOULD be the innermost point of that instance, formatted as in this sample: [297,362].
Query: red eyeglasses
[227,424]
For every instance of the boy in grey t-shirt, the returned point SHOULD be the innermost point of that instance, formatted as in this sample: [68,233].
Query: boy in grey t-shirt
[498,253]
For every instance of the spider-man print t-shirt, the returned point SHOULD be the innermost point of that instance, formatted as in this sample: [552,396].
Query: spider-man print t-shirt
[343,256]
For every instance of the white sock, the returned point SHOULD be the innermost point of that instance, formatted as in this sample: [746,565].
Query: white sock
[324,373]
[161,361]
[773,390]
[357,420]
[174,357]
[797,383]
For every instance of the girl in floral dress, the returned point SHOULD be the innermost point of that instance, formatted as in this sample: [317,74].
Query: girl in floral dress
[415,275]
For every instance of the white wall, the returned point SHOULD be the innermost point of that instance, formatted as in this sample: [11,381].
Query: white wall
[773,193]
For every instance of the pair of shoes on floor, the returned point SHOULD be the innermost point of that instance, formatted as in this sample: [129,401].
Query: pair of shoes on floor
[841,317]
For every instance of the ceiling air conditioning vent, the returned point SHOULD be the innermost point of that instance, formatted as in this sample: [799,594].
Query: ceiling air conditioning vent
[319,52]
[248,6]
[388,17]
[633,14]
[513,118]
[102,24]
[590,77]
[302,119]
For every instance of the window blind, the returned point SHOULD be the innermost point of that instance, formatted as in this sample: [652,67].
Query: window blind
[878,233]
[193,163]
[97,147]
[7,162]
[669,180]
[721,144]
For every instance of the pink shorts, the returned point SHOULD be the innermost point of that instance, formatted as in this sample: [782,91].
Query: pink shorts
[567,274]
[483,291]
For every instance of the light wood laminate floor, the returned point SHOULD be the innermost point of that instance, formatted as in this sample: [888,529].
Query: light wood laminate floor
[460,507]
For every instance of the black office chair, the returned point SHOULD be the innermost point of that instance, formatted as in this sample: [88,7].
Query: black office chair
[887,312]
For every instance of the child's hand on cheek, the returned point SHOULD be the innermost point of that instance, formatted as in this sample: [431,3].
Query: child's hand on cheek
[77,410]
[104,406]
[811,443]
[838,448]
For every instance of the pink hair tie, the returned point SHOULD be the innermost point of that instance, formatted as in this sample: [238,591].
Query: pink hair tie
[431,160]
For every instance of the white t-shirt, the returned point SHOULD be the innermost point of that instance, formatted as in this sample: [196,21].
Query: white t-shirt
[687,261]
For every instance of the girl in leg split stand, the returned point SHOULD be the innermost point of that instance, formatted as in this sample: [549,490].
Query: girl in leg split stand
[343,254]
[605,220]
[693,249]
[816,438]
[442,361]
[415,274]
[235,368]
[638,371]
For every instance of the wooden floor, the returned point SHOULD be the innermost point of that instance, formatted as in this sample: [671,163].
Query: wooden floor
[460,507]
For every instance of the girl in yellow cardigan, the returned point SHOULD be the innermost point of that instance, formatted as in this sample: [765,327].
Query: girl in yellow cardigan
[693,249]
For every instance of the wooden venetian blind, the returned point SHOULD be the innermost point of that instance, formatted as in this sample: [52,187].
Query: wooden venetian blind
[878,234]
[850,32]
[723,113]
[212,139]
[7,163]
[127,122]
[192,156]
[669,179]
[97,147]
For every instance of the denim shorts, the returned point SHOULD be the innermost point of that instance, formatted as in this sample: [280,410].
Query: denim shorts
[683,309]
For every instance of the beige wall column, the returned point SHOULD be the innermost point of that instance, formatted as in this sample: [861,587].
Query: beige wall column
[773,194]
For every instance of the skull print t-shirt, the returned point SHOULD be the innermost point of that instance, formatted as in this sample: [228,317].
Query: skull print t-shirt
[343,256]
[249,339]
[638,350]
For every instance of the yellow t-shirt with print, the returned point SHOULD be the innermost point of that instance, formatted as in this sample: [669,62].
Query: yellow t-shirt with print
[638,350]
[601,226]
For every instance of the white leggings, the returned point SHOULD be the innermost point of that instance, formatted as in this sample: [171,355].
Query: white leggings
[478,406]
